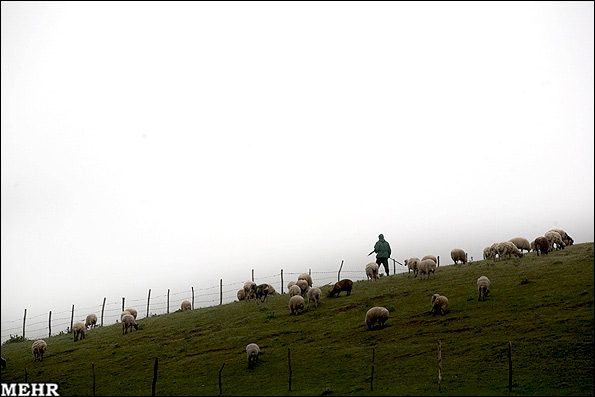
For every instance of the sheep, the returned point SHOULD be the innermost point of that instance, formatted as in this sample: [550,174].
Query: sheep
[521,243]
[376,317]
[554,239]
[494,248]
[132,311]
[432,257]
[79,331]
[438,303]
[508,248]
[307,277]
[412,264]
[296,305]
[303,284]
[252,351]
[343,285]
[272,290]
[262,291]
[427,266]
[314,294]
[295,290]
[566,239]
[186,305]
[542,245]
[289,284]
[38,348]
[241,294]
[128,321]
[91,321]
[124,313]
[372,271]
[458,255]
[487,254]
[250,289]
[483,285]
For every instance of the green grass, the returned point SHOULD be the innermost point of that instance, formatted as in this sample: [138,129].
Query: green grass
[543,305]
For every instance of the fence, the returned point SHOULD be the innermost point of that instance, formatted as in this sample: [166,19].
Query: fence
[109,313]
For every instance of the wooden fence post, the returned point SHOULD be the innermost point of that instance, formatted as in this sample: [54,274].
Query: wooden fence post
[24,319]
[220,386]
[50,325]
[438,260]
[154,378]
[122,303]
[102,310]
[281,281]
[252,275]
[509,366]
[439,366]
[372,376]
[72,318]
[289,362]
[148,300]
[221,291]
[168,301]
[192,298]
[339,275]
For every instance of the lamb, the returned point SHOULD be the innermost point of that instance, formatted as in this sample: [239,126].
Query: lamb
[566,239]
[343,285]
[521,243]
[427,266]
[241,294]
[79,331]
[438,303]
[186,305]
[542,245]
[508,248]
[483,285]
[252,351]
[303,284]
[295,290]
[296,305]
[38,348]
[372,271]
[412,264]
[554,239]
[432,257]
[458,255]
[314,294]
[250,289]
[307,277]
[128,321]
[91,321]
[376,317]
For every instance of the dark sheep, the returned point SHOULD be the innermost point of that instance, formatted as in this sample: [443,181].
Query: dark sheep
[262,291]
[343,285]
[542,245]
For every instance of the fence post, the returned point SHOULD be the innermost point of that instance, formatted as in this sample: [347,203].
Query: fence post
[439,366]
[102,310]
[310,272]
[220,387]
[154,378]
[281,281]
[72,318]
[372,376]
[509,366]
[438,260]
[24,319]
[221,291]
[168,301]
[192,298]
[148,299]
[339,275]
[122,303]
[252,275]
[289,362]
[50,325]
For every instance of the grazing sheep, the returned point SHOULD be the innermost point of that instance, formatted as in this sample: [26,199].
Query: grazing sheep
[494,248]
[296,305]
[412,264]
[186,305]
[487,254]
[432,257]
[241,294]
[376,317]
[128,321]
[483,285]
[250,290]
[91,321]
[79,331]
[132,311]
[521,243]
[314,294]
[124,313]
[272,290]
[343,285]
[566,239]
[252,351]
[438,303]
[303,284]
[427,266]
[555,240]
[38,348]
[289,284]
[508,248]
[458,255]
[262,291]
[295,290]
[307,277]
[542,245]
[372,271]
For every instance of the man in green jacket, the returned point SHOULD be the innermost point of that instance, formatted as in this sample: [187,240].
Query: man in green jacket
[382,249]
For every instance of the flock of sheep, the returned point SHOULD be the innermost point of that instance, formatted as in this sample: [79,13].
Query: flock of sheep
[377,316]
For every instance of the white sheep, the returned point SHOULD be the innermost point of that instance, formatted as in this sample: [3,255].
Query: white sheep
[427,266]
[307,277]
[521,243]
[432,257]
[372,271]
[508,248]
[250,290]
[124,313]
[91,321]
[487,253]
[554,238]
[376,317]
[252,351]
[314,294]
[186,305]
[79,331]
[438,303]
[303,284]
[132,311]
[38,349]
[128,321]
[494,249]
[295,290]
[458,255]
[483,285]
[296,304]
[241,294]
[566,239]
[289,284]
[412,264]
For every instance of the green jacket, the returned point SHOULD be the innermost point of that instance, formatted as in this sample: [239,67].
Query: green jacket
[382,249]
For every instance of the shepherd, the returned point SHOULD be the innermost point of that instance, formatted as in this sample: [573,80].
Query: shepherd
[382,249]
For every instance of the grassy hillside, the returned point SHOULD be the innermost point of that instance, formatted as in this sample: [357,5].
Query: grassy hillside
[543,305]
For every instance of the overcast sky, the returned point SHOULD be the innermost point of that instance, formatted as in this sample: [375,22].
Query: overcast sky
[174,145]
